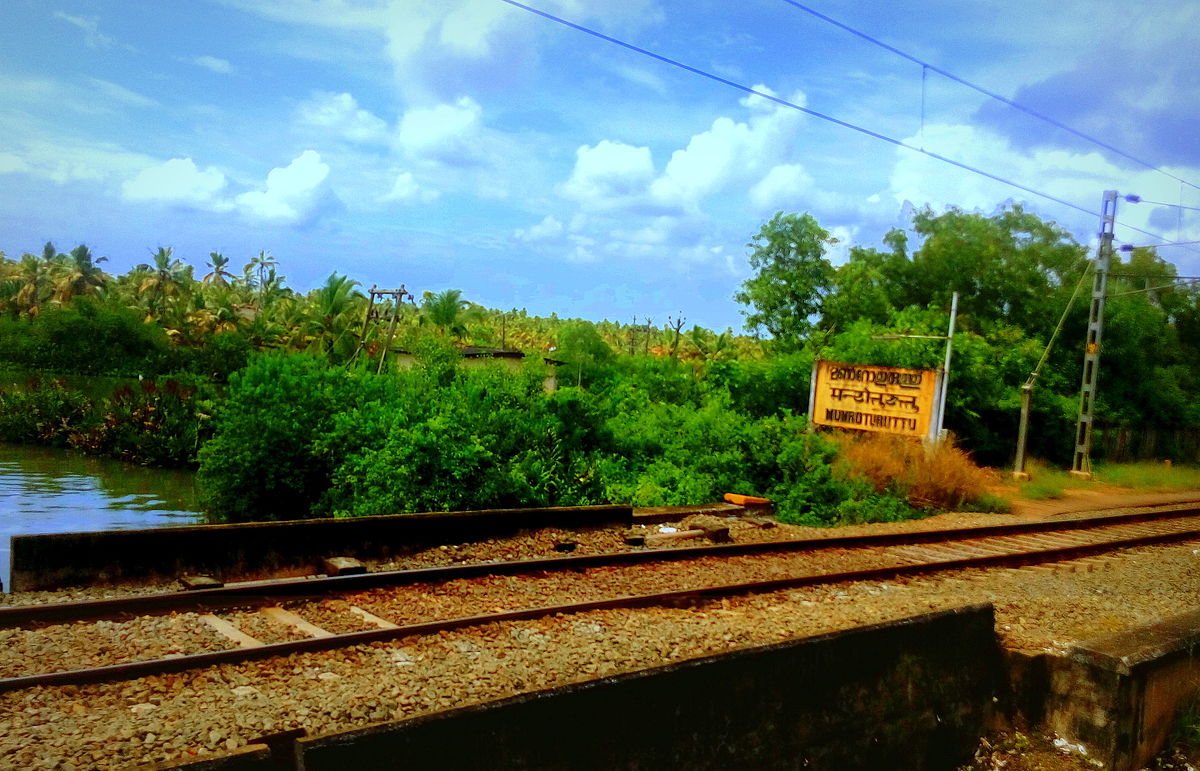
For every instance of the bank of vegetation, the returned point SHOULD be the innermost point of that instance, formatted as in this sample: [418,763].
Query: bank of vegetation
[292,404]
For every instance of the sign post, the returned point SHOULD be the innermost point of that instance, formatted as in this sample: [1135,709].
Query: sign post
[891,400]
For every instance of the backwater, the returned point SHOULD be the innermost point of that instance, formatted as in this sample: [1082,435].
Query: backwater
[45,490]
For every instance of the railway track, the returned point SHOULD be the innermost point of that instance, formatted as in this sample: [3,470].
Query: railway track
[111,640]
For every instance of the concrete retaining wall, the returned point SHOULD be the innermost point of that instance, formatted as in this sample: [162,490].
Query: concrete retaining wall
[1120,695]
[913,694]
[264,548]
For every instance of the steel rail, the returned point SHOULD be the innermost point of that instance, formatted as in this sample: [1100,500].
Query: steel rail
[252,593]
[131,670]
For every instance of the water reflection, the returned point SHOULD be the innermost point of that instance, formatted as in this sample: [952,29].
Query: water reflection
[57,491]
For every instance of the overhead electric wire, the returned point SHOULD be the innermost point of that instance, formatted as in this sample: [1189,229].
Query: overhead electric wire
[1161,203]
[808,111]
[985,91]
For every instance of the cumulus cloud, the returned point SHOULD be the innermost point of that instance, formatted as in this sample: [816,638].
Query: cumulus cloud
[609,173]
[178,182]
[783,186]
[294,194]
[406,190]
[341,115]
[219,66]
[447,133]
[731,152]
[65,161]
[449,47]
[1079,178]
[645,214]
[12,164]
[548,228]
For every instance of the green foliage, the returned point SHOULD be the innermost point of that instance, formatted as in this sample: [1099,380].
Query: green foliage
[42,413]
[791,276]
[159,423]
[262,463]
[87,337]
[765,387]
[580,346]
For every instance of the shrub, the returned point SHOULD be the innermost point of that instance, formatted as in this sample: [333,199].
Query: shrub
[43,412]
[156,422]
[940,478]
[263,462]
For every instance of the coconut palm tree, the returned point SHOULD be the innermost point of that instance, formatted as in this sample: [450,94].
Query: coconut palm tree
[331,311]
[256,270]
[167,277]
[447,311]
[218,275]
[78,274]
[34,274]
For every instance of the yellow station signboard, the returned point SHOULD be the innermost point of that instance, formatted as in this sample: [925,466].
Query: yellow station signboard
[870,398]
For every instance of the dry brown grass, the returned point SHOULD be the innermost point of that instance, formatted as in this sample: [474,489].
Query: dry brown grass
[942,477]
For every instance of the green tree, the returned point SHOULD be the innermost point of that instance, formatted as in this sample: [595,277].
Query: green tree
[580,345]
[446,310]
[791,277]
[218,275]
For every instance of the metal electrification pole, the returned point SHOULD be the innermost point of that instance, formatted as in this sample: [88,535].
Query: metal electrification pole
[940,434]
[1081,466]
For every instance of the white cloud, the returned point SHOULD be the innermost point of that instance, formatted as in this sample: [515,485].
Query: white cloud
[341,114]
[731,152]
[219,66]
[446,133]
[111,91]
[451,45]
[784,186]
[548,228]
[178,182]
[12,164]
[90,25]
[406,190]
[294,193]
[64,161]
[609,173]
[466,30]
[1079,178]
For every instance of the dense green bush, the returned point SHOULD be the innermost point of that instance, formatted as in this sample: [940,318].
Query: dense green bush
[264,462]
[298,438]
[43,412]
[155,422]
[86,337]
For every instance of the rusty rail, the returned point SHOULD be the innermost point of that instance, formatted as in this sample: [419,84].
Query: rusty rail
[261,592]
[160,666]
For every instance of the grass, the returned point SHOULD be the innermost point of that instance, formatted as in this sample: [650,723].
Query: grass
[943,478]
[1048,483]
[1150,476]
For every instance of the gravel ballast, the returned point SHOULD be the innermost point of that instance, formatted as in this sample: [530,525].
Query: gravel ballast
[191,714]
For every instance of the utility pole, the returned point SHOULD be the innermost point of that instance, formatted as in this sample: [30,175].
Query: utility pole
[940,433]
[1081,466]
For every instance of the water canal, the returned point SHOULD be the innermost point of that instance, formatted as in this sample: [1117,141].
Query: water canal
[44,490]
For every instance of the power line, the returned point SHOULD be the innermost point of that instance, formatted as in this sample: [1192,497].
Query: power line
[808,111]
[1139,199]
[1128,247]
[984,91]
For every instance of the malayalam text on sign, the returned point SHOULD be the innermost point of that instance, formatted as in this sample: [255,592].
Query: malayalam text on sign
[870,398]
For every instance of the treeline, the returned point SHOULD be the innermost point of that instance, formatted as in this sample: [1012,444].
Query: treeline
[646,412]
[1015,275]
[298,437]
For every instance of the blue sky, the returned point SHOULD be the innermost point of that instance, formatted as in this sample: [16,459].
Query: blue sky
[469,144]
